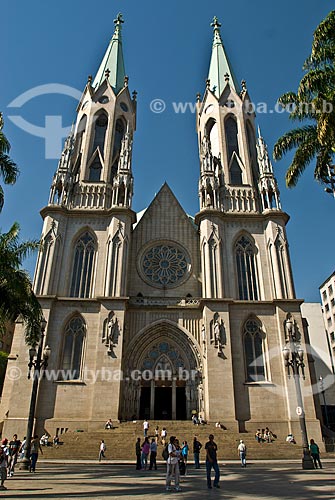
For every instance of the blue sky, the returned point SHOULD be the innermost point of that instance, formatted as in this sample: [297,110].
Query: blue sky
[167,48]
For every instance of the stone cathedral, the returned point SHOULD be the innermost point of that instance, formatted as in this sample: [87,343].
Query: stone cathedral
[131,298]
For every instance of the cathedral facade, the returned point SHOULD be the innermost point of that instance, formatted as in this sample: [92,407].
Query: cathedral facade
[161,315]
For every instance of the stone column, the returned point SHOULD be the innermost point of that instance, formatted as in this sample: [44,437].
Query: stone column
[174,399]
[152,400]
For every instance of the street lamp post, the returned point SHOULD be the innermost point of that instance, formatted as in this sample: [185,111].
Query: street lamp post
[294,361]
[37,360]
[322,389]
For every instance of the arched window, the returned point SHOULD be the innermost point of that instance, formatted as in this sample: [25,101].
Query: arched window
[118,136]
[280,250]
[213,266]
[254,351]
[235,173]
[246,269]
[74,336]
[84,252]
[95,170]
[212,134]
[80,132]
[252,151]
[100,129]
[44,263]
[231,137]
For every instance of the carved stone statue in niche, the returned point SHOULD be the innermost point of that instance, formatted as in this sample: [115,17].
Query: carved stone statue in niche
[220,339]
[111,334]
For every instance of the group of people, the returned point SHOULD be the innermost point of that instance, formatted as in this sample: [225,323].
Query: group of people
[198,419]
[265,435]
[177,459]
[11,451]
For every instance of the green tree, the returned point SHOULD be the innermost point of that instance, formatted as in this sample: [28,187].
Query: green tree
[8,169]
[314,103]
[3,366]
[17,298]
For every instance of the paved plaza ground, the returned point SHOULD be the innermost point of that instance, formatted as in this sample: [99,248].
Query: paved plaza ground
[91,480]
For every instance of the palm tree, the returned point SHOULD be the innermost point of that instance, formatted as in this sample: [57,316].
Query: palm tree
[314,103]
[8,169]
[17,298]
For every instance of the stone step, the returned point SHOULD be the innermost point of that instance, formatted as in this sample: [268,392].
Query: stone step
[120,442]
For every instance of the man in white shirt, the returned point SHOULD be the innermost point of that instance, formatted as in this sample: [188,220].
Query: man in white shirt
[145,427]
[172,466]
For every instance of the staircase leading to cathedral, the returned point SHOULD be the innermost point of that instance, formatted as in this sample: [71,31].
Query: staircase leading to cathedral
[121,440]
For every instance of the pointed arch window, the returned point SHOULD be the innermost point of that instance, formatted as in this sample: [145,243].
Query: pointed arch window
[74,336]
[252,151]
[213,266]
[100,129]
[254,339]
[247,275]
[212,134]
[280,250]
[235,173]
[231,137]
[118,136]
[82,273]
[80,132]
[95,170]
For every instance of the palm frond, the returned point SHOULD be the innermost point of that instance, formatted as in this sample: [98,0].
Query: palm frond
[294,138]
[302,158]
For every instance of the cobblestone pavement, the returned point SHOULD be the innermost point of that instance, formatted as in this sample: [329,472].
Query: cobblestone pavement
[261,481]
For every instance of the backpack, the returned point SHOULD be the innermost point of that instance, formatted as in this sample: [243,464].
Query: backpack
[165,452]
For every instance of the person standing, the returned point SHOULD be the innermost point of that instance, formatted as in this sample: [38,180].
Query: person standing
[14,447]
[184,452]
[102,450]
[242,451]
[138,450]
[145,453]
[157,434]
[153,454]
[34,448]
[145,427]
[4,452]
[211,461]
[163,436]
[172,467]
[196,452]
[315,452]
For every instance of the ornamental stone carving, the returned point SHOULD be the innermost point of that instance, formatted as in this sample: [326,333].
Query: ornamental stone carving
[165,265]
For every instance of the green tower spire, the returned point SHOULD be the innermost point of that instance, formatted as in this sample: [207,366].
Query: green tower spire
[112,65]
[219,70]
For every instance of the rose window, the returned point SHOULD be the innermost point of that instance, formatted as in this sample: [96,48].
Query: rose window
[165,265]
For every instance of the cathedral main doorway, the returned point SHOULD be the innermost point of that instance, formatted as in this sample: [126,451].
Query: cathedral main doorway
[163,401]
[169,385]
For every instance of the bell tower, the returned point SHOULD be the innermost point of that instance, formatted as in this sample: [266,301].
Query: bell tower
[94,176]
[236,183]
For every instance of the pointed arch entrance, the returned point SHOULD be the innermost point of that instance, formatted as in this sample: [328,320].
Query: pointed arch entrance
[163,379]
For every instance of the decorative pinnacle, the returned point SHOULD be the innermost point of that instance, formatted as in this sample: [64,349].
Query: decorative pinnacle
[126,80]
[244,85]
[89,79]
[208,82]
[107,73]
[134,95]
[226,77]
[198,97]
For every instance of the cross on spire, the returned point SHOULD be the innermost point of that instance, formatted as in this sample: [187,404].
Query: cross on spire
[118,21]
[215,23]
